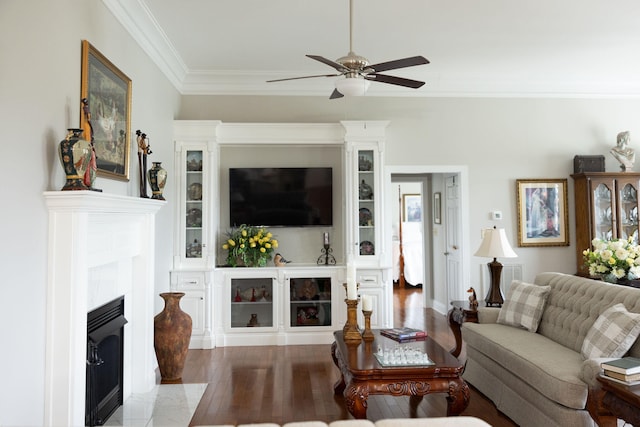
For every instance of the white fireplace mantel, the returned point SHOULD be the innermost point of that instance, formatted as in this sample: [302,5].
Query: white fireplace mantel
[100,246]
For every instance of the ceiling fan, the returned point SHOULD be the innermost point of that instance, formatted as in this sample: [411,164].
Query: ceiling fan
[357,73]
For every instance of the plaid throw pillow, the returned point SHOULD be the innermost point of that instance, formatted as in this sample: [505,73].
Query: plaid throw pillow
[612,334]
[523,305]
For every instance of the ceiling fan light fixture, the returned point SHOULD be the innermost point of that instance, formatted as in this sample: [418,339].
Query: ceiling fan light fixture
[352,86]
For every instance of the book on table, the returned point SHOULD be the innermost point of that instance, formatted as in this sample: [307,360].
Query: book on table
[404,334]
[622,377]
[626,365]
[628,383]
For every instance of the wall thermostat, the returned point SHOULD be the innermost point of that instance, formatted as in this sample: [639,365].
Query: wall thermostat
[496,215]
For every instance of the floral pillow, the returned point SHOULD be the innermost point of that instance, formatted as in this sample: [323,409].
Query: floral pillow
[523,305]
[612,334]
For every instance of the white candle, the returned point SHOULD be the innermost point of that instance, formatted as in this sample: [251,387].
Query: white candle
[351,272]
[366,302]
[352,291]
[325,238]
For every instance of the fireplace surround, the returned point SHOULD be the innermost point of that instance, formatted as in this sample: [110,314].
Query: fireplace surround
[100,246]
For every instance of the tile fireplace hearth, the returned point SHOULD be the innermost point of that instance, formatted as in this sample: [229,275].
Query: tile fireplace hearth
[99,246]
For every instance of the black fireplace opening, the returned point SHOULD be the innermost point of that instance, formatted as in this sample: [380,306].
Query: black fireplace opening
[105,359]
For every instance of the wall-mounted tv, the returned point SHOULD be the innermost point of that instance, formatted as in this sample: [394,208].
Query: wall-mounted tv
[288,197]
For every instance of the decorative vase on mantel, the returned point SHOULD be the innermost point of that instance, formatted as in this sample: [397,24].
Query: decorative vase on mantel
[157,180]
[75,155]
[172,333]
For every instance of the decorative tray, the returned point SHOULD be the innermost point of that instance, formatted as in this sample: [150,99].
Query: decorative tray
[403,356]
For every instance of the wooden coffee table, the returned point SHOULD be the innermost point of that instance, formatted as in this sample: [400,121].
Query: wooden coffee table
[362,375]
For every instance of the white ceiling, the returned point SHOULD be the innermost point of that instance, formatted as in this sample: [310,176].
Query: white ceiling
[557,48]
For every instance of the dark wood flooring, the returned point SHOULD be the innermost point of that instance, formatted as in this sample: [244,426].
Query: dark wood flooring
[282,384]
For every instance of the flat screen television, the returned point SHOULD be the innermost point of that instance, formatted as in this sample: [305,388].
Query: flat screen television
[288,197]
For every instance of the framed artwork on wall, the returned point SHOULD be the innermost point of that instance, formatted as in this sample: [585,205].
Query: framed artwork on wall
[542,212]
[437,208]
[108,92]
[411,208]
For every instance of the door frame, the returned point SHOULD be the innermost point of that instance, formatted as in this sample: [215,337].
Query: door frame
[389,194]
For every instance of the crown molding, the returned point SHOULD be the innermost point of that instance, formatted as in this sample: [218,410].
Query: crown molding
[136,18]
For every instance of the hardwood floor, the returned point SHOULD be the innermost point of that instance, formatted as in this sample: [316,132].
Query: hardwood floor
[281,384]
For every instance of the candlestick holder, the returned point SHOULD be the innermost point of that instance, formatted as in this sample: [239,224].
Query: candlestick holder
[367,334]
[326,258]
[351,332]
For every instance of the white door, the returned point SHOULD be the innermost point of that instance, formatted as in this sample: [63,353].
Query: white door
[453,240]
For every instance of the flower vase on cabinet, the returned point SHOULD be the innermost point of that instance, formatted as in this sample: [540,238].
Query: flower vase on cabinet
[75,155]
[157,180]
[172,333]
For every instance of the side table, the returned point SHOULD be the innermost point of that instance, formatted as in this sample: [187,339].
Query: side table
[619,401]
[461,311]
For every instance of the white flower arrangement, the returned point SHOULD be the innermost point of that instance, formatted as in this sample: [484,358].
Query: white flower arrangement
[612,260]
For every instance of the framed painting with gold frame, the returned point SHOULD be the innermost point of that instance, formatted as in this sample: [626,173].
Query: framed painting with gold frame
[542,212]
[108,92]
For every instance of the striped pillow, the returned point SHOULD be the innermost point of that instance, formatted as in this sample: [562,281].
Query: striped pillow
[523,305]
[612,334]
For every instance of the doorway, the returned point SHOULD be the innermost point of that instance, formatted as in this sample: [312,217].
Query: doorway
[409,252]
[449,229]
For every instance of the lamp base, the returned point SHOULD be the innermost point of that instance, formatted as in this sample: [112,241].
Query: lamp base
[494,296]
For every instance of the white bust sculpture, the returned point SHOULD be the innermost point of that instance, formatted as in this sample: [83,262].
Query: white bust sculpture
[625,155]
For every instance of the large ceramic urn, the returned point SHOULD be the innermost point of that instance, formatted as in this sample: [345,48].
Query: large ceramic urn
[172,333]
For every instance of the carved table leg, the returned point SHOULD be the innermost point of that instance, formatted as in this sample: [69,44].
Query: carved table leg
[355,397]
[458,397]
[339,386]
[414,401]
[456,317]
[601,415]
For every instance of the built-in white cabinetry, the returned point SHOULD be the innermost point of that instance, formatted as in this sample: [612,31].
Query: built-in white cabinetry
[301,303]
[364,150]
[364,147]
[370,282]
[195,223]
[196,286]
[278,306]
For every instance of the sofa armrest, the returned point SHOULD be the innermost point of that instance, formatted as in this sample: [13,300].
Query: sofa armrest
[591,369]
[488,314]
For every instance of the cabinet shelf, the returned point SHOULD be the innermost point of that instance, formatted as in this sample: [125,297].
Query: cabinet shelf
[251,302]
[318,301]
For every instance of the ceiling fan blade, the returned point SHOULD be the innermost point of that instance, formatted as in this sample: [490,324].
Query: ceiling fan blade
[304,77]
[399,63]
[400,81]
[329,62]
[335,94]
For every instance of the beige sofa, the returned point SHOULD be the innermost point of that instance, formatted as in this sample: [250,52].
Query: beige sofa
[541,378]
[395,422]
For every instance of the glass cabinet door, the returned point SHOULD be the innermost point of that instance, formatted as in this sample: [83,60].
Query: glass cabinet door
[366,205]
[310,301]
[628,216]
[251,302]
[603,212]
[193,204]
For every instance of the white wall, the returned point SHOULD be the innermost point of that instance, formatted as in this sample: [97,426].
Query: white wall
[40,42]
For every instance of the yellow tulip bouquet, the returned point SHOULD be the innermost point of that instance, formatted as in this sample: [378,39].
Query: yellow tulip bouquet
[249,245]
